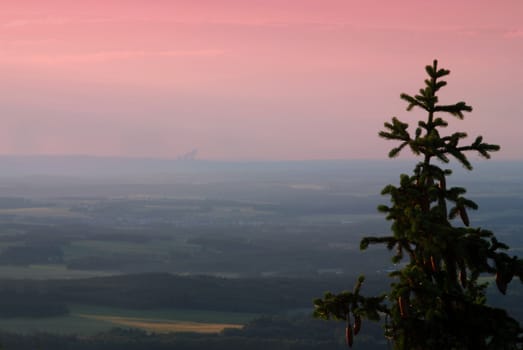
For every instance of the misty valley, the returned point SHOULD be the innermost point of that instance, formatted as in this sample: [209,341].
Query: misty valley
[120,253]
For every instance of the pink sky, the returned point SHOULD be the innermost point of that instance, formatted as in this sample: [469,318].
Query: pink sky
[249,79]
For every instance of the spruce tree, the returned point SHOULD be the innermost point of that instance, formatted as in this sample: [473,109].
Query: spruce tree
[436,299]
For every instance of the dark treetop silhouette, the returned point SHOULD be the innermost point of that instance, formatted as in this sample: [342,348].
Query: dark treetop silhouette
[436,300]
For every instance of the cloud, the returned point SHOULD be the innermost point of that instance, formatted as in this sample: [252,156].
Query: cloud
[23,22]
[267,21]
[192,20]
[515,33]
[29,42]
[105,56]
[224,19]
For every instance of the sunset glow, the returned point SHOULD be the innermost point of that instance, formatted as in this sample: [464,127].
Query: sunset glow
[248,79]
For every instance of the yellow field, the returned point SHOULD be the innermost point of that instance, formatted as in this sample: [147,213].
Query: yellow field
[163,326]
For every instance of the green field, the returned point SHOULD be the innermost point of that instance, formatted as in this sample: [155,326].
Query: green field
[59,325]
[42,212]
[44,272]
[93,247]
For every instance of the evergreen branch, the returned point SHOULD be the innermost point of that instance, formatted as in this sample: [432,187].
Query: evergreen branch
[442,73]
[441,156]
[413,102]
[455,109]
[482,148]
[397,130]
[460,156]
[395,151]
[431,71]
[439,122]
[341,306]
[366,241]
[439,85]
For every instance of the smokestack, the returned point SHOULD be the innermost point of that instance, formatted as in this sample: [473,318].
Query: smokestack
[189,155]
